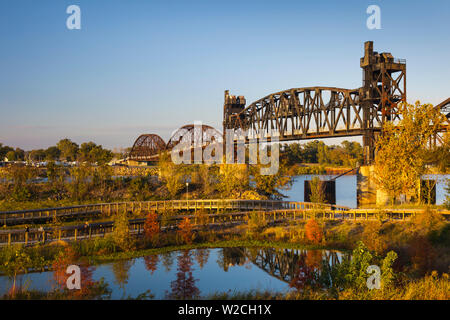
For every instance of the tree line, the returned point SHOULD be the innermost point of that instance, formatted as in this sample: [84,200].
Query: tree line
[65,150]
[347,154]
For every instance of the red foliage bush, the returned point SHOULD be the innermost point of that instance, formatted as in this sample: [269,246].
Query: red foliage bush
[185,230]
[151,226]
[313,231]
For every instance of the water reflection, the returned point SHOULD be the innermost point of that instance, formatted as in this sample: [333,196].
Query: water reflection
[167,260]
[151,263]
[283,264]
[184,285]
[201,256]
[121,270]
[203,272]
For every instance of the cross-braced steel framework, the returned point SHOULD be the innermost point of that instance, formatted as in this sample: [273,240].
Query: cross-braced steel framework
[195,136]
[147,147]
[325,112]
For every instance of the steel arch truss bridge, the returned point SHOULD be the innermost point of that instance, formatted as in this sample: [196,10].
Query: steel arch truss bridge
[148,147]
[303,113]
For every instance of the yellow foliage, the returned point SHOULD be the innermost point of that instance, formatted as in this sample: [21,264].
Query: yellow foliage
[402,149]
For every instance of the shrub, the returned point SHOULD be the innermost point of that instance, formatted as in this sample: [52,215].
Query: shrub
[427,221]
[255,221]
[151,227]
[185,230]
[372,237]
[121,232]
[313,231]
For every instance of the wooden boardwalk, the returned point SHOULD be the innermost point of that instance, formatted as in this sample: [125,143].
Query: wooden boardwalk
[211,220]
[9,218]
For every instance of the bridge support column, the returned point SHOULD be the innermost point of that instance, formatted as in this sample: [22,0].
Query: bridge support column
[366,193]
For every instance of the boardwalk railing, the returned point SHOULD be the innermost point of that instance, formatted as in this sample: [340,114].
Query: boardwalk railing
[108,209]
[87,231]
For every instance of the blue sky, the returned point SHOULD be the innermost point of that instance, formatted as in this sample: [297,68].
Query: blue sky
[152,66]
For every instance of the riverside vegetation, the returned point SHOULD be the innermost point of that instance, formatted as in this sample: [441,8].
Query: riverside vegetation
[413,256]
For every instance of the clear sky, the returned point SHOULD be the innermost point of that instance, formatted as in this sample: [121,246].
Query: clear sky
[152,66]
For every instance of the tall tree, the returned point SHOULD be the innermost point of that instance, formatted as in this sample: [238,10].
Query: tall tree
[401,150]
[68,149]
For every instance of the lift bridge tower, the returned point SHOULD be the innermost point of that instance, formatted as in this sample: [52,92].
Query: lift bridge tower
[383,88]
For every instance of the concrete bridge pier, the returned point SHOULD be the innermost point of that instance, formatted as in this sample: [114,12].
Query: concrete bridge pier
[368,193]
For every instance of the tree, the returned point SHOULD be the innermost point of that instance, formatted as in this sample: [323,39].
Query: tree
[92,153]
[121,232]
[19,261]
[11,156]
[79,185]
[401,150]
[56,178]
[171,174]
[323,153]
[313,231]
[4,150]
[68,149]
[19,176]
[52,153]
[151,227]
[185,230]
[270,186]
[317,190]
[233,180]
[37,155]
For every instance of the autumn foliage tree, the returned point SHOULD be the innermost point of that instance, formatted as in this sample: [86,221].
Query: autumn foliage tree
[313,231]
[151,227]
[403,148]
[89,287]
[185,230]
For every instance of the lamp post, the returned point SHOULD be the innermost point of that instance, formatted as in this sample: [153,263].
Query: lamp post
[187,191]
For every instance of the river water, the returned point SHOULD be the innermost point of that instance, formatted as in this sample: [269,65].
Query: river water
[199,271]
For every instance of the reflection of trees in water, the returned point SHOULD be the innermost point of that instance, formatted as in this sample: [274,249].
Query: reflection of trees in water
[310,270]
[167,260]
[294,266]
[151,262]
[228,257]
[120,270]
[184,286]
[201,256]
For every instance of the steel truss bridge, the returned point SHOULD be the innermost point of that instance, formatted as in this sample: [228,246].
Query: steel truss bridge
[308,113]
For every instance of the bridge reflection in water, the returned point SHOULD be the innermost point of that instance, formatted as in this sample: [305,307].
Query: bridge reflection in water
[287,265]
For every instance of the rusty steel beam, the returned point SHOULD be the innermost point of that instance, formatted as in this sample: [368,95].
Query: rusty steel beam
[325,112]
